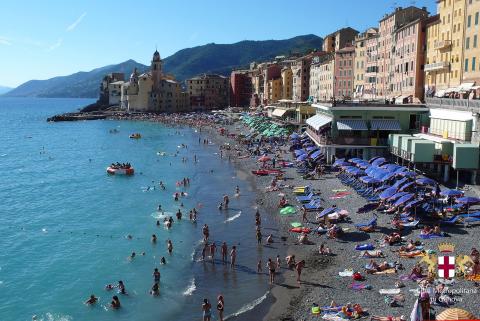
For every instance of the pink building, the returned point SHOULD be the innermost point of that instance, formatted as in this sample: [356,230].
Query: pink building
[409,57]
[386,45]
[343,84]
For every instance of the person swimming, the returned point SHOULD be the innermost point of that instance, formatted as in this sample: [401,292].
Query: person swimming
[155,291]
[121,287]
[163,261]
[154,238]
[115,304]
[92,300]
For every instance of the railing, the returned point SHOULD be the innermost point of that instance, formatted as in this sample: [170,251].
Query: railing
[456,104]
[437,66]
[352,141]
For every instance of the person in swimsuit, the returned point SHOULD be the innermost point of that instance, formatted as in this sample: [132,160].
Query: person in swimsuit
[224,250]
[233,256]
[225,201]
[299,267]
[115,304]
[259,266]
[169,247]
[154,239]
[155,289]
[220,307]
[271,270]
[279,263]
[121,287]
[92,300]
[156,276]
[206,307]
[163,261]
[259,236]
[213,249]
[206,233]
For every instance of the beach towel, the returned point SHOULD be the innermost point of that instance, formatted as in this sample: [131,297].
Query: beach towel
[339,190]
[359,286]
[387,271]
[363,247]
[296,224]
[346,273]
[340,195]
[389,291]
[333,317]
[431,236]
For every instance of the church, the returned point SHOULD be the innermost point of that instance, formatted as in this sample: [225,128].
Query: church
[153,91]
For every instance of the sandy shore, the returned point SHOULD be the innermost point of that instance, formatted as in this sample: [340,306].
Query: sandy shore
[321,282]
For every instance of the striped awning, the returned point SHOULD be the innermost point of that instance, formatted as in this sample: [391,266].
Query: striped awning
[278,112]
[385,124]
[351,124]
[318,121]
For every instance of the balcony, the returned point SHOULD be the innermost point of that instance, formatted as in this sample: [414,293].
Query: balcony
[442,44]
[437,66]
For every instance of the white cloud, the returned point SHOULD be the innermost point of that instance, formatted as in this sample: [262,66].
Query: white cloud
[5,41]
[55,45]
[77,22]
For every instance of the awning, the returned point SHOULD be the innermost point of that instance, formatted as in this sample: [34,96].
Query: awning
[466,86]
[278,112]
[450,114]
[451,90]
[318,121]
[440,93]
[351,124]
[385,124]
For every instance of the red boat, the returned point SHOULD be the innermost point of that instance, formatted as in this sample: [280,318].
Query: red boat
[265,172]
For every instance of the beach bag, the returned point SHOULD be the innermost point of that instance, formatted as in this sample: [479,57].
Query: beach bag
[357,276]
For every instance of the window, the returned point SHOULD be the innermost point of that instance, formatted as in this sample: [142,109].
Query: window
[466,64]
[467,43]
[475,41]
[469,21]
[474,62]
[476,18]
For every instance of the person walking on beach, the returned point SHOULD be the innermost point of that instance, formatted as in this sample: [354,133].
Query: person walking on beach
[233,256]
[304,214]
[220,307]
[224,251]
[299,267]
[169,246]
[271,270]
[259,266]
[206,307]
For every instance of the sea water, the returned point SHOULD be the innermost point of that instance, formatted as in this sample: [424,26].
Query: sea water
[64,222]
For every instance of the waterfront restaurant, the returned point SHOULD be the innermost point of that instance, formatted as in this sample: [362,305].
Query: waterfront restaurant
[361,129]
[289,111]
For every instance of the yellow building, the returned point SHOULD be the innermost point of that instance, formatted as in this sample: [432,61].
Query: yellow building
[471,67]
[287,83]
[274,90]
[445,46]
[363,43]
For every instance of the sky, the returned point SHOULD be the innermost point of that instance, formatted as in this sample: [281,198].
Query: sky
[44,39]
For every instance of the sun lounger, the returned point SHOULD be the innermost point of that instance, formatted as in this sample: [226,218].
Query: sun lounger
[472,219]
[372,223]
[410,224]
[450,221]
[313,206]
[305,199]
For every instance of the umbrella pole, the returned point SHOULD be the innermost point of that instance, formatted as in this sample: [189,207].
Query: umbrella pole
[457,178]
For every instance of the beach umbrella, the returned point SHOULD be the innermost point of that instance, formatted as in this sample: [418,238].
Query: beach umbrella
[455,314]
[400,169]
[387,177]
[400,182]
[405,198]
[371,160]
[299,152]
[264,159]
[355,160]
[316,154]
[390,167]
[451,193]
[379,161]
[369,180]
[288,210]
[396,196]
[407,174]
[341,164]
[294,136]
[408,185]
[426,181]
[310,148]
[302,157]
[414,203]
[389,192]
[468,200]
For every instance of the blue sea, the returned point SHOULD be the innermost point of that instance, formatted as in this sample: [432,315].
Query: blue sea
[64,221]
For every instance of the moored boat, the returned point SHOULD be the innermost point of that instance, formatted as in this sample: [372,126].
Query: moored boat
[120,170]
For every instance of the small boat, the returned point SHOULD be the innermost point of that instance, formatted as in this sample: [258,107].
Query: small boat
[265,172]
[120,170]
[135,136]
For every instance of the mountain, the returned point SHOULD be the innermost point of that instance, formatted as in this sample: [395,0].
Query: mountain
[79,85]
[4,89]
[186,63]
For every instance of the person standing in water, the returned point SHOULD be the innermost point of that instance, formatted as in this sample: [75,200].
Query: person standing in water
[115,304]
[169,246]
[224,250]
[156,276]
[225,201]
[220,307]
[259,236]
[206,307]
[213,249]
[206,233]
[271,270]
[233,256]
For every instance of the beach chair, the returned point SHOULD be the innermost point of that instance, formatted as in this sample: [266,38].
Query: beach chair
[305,199]
[371,223]
[314,205]
[470,215]
[451,221]
[410,224]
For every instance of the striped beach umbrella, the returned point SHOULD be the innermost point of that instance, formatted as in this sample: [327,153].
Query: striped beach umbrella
[455,314]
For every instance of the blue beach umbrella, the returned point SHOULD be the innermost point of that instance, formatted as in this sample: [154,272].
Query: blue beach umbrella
[315,154]
[451,193]
[302,157]
[387,177]
[294,136]
[404,187]
[299,152]
[389,192]
[379,161]
[468,200]
[414,203]
[341,164]
[369,180]
[397,196]
[310,148]
[327,211]
[400,182]
[407,174]
[426,181]
[405,198]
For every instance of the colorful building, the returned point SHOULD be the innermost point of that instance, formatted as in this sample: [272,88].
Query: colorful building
[365,58]
[208,92]
[339,39]
[240,88]
[287,82]
[343,73]
[471,67]
[322,77]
